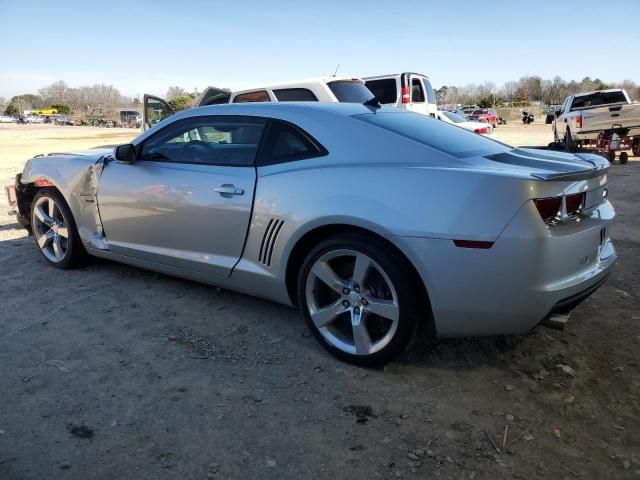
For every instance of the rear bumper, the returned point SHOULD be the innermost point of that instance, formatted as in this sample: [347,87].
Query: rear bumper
[520,280]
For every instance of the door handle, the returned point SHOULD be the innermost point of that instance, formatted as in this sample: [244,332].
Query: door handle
[615,114]
[227,189]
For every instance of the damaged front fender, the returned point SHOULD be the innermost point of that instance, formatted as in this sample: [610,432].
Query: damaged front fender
[77,178]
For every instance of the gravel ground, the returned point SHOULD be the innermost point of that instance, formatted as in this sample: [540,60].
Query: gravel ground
[114,372]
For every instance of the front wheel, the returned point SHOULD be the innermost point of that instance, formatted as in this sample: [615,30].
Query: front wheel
[635,147]
[360,300]
[55,231]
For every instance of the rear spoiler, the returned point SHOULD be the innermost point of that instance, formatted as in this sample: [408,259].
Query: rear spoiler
[559,166]
[600,167]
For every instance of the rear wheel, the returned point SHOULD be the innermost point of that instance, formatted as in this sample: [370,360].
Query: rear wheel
[55,231]
[360,300]
[635,147]
[624,157]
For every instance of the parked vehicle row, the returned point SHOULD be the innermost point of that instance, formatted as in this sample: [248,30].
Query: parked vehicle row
[408,91]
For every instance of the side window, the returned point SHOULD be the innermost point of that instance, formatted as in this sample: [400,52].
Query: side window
[231,141]
[259,96]
[295,95]
[156,110]
[417,93]
[286,143]
[431,95]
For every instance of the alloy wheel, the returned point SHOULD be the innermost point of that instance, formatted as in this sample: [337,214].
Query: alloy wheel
[352,302]
[50,229]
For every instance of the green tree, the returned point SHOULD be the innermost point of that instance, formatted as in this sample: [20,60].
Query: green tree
[11,110]
[180,103]
[62,109]
[28,101]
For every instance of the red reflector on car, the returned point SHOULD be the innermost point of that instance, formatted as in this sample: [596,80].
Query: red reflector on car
[43,182]
[548,208]
[406,96]
[473,244]
[481,131]
[574,202]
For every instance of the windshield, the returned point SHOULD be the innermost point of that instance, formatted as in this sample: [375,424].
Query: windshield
[480,112]
[598,98]
[454,117]
[350,91]
[433,133]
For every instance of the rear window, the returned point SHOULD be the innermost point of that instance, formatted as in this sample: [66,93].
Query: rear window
[434,133]
[295,95]
[385,90]
[598,98]
[350,92]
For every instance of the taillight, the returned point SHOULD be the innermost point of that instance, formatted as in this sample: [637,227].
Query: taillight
[406,95]
[578,121]
[574,203]
[548,208]
[481,131]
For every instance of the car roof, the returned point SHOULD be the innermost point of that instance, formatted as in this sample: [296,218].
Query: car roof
[264,108]
[394,75]
[598,91]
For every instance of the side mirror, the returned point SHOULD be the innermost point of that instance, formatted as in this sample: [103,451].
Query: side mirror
[558,113]
[125,153]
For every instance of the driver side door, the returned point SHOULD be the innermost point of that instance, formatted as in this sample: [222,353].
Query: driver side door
[186,200]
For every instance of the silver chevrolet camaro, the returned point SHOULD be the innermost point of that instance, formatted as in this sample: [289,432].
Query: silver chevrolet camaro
[373,221]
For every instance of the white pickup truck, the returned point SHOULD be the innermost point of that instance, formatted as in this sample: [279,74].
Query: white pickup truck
[583,116]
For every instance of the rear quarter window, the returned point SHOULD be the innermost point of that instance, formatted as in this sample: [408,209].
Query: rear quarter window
[350,91]
[259,96]
[433,133]
[295,95]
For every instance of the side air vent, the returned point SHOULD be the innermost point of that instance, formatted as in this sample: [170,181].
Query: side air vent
[269,241]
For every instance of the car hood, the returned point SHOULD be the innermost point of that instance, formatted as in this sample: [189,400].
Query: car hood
[549,165]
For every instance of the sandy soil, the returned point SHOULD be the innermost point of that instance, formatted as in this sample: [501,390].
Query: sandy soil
[113,372]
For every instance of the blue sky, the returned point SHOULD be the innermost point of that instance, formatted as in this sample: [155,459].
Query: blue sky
[146,46]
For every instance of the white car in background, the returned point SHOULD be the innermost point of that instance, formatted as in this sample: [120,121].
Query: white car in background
[323,89]
[485,129]
[6,119]
[407,90]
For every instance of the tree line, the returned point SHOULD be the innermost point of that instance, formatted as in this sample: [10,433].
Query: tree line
[526,90]
[94,99]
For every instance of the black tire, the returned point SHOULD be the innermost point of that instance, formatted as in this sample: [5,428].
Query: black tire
[624,157]
[569,143]
[75,254]
[635,147]
[413,308]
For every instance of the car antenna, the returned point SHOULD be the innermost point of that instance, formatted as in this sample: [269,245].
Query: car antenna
[334,73]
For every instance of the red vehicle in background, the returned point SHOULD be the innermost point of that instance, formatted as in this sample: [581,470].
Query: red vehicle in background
[485,115]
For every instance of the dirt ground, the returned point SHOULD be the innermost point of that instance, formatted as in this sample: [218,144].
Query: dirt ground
[110,372]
